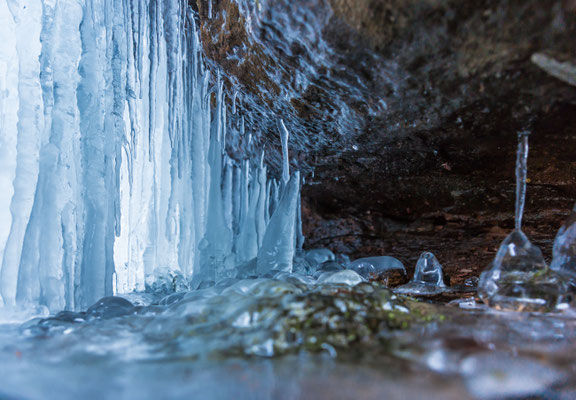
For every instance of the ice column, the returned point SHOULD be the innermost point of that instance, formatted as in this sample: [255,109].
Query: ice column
[113,162]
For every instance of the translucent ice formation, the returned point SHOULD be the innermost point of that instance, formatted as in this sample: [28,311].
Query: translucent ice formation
[319,256]
[329,266]
[429,270]
[428,277]
[345,277]
[564,250]
[278,245]
[113,156]
[371,267]
[518,278]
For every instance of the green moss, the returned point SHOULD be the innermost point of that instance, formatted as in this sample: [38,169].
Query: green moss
[346,318]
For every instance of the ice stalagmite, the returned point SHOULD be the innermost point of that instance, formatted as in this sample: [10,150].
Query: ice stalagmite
[216,246]
[247,241]
[428,277]
[519,279]
[284,136]
[277,251]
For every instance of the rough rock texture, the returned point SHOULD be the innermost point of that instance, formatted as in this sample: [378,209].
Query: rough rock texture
[408,112]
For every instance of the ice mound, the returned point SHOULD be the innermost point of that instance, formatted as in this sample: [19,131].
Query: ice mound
[564,250]
[519,278]
[346,277]
[428,277]
[373,267]
[320,256]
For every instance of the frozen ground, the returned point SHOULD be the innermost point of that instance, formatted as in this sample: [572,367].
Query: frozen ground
[269,339]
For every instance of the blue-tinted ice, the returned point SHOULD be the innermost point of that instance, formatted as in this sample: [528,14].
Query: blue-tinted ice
[319,256]
[564,250]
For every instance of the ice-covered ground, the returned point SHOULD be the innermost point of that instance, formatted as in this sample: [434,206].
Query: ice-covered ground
[288,338]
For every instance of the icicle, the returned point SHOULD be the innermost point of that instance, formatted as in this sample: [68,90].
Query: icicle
[284,135]
[260,217]
[518,278]
[217,242]
[234,101]
[268,204]
[24,29]
[299,235]
[228,204]
[237,198]
[114,168]
[248,238]
[521,172]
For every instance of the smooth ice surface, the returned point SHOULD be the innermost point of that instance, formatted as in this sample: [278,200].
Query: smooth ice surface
[320,256]
[347,277]
[114,169]
[428,277]
[519,278]
[497,376]
[429,270]
[369,267]
[564,250]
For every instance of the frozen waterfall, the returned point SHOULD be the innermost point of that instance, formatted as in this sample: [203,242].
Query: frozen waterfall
[113,162]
